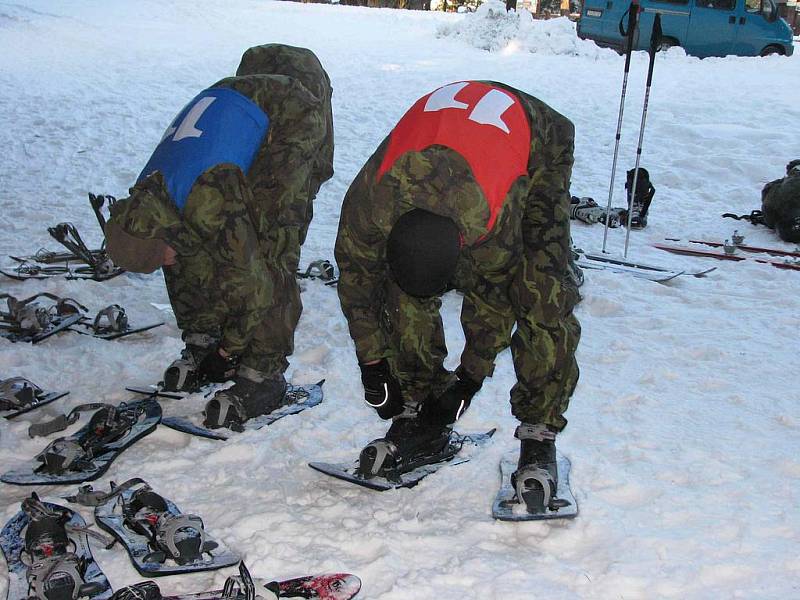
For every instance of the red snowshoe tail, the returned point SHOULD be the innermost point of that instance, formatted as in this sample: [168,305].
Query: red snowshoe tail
[333,586]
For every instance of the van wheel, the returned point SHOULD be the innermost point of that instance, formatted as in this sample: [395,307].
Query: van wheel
[770,50]
[667,43]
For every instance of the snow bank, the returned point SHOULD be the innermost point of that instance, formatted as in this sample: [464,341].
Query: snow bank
[493,28]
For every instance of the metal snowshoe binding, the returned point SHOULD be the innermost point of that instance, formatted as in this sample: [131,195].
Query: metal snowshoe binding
[177,537]
[253,394]
[156,534]
[410,443]
[319,269]
[107,425]
[54,572]
[184,374]
[536,478]
[99,265]
[29,320]
[19,395]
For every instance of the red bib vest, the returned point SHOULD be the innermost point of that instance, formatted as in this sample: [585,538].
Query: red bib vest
[485,124]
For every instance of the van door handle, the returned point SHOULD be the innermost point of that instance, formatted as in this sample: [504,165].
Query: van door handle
[741,20]
[732,20]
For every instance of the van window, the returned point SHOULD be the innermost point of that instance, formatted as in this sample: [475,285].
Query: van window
[671,2]
[753,6]
[717,4]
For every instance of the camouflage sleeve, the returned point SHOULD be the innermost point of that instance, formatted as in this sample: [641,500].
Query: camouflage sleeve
[218,211]
[148,213]
[547,334]
[359,251]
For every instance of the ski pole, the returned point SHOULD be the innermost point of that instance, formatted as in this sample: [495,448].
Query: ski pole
[633,16]
[655,42]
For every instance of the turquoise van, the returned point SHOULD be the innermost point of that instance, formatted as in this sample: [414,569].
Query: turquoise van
[701,27]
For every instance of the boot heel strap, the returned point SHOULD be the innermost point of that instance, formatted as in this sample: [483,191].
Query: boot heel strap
[539,432]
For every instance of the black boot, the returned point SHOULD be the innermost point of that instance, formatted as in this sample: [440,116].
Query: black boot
[253,394]
[639,200]
[183,375]
[536,477]
[409,443]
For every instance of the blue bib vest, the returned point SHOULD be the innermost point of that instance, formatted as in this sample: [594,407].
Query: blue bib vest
[218,126]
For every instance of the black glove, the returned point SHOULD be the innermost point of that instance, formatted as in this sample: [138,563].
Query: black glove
[382,390]
[454,401]
[218,368]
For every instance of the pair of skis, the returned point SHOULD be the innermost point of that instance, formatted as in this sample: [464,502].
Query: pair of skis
[776,257]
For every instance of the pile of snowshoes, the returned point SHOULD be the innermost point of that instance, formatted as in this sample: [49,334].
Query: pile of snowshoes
[29,320]
[47,550]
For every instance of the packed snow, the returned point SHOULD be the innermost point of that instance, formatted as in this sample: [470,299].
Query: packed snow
[684,430]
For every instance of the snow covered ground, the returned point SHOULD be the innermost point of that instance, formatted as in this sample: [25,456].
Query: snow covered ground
[684,430]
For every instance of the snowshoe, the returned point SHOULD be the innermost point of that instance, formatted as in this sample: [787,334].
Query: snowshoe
[29,321]
[383,465]
[334,586]
[111,323]
[319,269]
[251,395]
[160,539]
[87,454]
[297,399]
[19,395]
[51,560]
[534,487]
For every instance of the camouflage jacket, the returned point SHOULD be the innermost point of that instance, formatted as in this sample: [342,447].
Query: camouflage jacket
[529,220]
[237,221]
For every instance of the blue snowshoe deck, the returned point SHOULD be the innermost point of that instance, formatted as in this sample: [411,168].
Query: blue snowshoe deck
[139,549]
[507,507]
[301,397]
[451,455]
[12,543]
[99,464]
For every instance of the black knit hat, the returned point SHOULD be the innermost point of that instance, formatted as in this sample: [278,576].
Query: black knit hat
[422,252]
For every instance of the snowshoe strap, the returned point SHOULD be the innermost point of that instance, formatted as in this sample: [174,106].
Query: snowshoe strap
[105,540]
[61,422]
[111,319]
[61,455]
[319,269]
[225,403]
[539,432]
[542,476]
[145,590]
[35,509]
[87,496]
[204,340]
[19,391]
[756,217]
[383,449]
[245,585]
[57,578]
[166,533]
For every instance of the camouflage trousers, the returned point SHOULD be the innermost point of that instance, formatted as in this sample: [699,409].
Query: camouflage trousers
[201,299]
[543,345]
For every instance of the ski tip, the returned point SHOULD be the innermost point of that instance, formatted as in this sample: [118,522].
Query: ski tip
[319,383]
